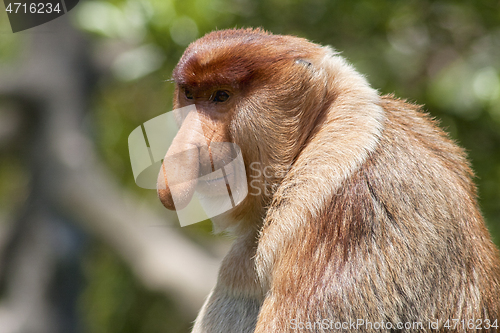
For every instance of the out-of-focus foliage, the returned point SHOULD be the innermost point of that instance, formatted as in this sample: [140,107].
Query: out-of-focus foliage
[114,302]
[13,176]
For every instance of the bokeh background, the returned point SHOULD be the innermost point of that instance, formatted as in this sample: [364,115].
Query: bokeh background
[82,248]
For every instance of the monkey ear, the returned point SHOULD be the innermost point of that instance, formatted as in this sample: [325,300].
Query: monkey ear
[303,62]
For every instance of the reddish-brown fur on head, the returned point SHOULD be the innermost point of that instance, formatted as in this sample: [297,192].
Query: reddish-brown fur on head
[359,206]
[238,57]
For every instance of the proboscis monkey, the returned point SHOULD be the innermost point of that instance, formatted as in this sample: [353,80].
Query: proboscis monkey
[360,209]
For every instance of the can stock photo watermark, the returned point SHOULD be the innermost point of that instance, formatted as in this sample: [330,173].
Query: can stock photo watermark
[24,15]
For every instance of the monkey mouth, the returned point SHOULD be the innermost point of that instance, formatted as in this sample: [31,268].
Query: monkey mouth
[218,179]
[214,184]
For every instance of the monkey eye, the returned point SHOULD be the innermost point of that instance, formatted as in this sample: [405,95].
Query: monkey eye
[188,94]
[220,96]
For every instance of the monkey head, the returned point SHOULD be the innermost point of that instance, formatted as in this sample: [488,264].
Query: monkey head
[262,92]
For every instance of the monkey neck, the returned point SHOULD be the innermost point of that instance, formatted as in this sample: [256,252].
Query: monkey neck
[237,276]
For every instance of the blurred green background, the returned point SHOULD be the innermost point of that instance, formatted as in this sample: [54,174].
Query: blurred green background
[442,54]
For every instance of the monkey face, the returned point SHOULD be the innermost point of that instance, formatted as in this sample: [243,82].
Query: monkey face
[197,161]
[196,170]
[198,149]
